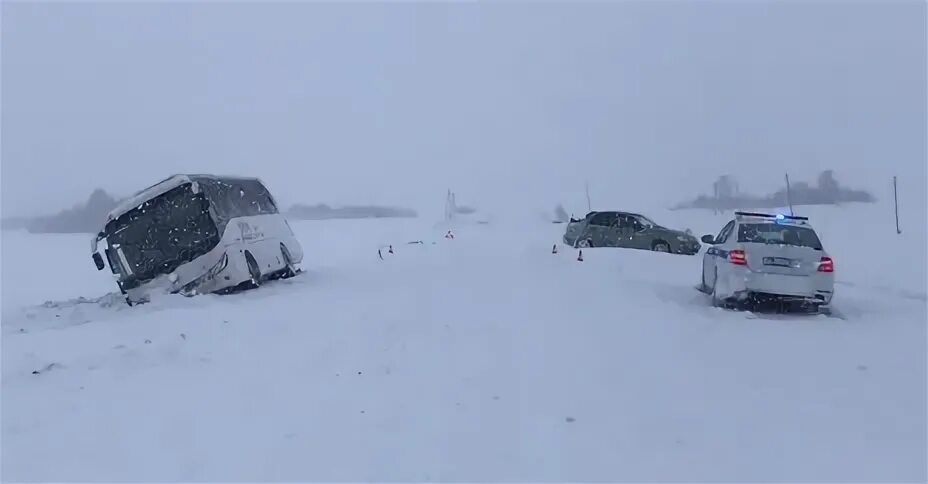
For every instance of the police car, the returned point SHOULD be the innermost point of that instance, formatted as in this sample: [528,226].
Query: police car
[768,257]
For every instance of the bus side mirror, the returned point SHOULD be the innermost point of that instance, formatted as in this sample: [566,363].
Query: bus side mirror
[98,261]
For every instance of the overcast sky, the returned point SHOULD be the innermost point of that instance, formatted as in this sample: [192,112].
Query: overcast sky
[509,104]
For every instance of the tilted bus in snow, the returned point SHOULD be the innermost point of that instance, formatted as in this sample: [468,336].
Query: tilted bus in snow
[196,234]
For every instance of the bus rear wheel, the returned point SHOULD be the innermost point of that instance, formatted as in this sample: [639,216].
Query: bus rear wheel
[289,269]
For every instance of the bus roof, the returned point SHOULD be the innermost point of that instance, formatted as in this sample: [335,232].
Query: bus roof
[162,187]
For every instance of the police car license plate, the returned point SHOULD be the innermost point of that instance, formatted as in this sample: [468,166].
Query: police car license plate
[778,261]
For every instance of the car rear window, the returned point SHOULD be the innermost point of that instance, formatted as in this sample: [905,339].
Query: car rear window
[770,233]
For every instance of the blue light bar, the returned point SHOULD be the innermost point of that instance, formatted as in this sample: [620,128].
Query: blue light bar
[778,216]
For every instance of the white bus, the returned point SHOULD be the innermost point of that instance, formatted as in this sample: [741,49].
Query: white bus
[195,234]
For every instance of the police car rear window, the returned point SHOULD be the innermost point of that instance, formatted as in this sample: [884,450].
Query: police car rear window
[770,233]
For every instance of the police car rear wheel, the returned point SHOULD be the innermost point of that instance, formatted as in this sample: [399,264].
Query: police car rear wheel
[716,300]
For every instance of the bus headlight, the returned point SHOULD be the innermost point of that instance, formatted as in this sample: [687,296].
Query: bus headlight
[219,267]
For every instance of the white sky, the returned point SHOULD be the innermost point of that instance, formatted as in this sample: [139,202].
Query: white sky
[511,104]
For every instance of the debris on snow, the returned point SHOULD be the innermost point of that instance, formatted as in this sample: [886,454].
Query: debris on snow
[48,367]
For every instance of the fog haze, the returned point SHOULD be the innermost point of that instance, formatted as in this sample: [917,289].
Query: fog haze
[512,104]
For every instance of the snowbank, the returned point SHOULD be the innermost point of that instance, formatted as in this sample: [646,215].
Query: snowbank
[480,358]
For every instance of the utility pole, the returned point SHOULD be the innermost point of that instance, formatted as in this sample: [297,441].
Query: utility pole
[789,198]
[896,204]
[589,205]
[449,205]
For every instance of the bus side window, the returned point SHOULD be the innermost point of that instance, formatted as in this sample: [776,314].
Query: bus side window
[240,198]
[257,197]
[218,206]
[248,202]
[233,196]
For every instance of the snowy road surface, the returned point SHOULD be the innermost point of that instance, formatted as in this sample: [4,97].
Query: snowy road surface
[481,358]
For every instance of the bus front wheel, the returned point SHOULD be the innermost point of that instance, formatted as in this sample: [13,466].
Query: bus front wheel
[254,271]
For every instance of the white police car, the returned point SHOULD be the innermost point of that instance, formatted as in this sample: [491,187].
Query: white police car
[762,257]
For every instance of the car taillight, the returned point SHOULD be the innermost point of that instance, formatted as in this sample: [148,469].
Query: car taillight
[826,265]
[737,257]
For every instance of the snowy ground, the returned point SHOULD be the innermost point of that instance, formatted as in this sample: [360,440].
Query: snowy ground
[481,358]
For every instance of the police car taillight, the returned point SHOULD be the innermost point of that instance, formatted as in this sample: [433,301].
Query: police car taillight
[826,265]
[737,257]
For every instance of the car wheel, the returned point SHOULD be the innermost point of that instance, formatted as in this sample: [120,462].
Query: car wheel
[253,270]
[660,246]
[584,243]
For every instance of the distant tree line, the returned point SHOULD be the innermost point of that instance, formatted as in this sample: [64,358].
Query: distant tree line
[87,218]
[323,212]
[826,191]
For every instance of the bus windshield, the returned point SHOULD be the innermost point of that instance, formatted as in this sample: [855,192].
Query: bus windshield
[162,233]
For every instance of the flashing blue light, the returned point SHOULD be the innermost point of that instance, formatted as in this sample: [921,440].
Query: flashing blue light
[780,216]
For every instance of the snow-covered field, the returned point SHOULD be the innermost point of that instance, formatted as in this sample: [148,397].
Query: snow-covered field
[481,358]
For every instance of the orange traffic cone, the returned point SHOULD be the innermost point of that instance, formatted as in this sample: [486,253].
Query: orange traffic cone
[580,256]
[391,249]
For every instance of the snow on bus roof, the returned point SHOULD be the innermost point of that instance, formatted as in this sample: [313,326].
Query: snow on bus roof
[161,187]
[141,196]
